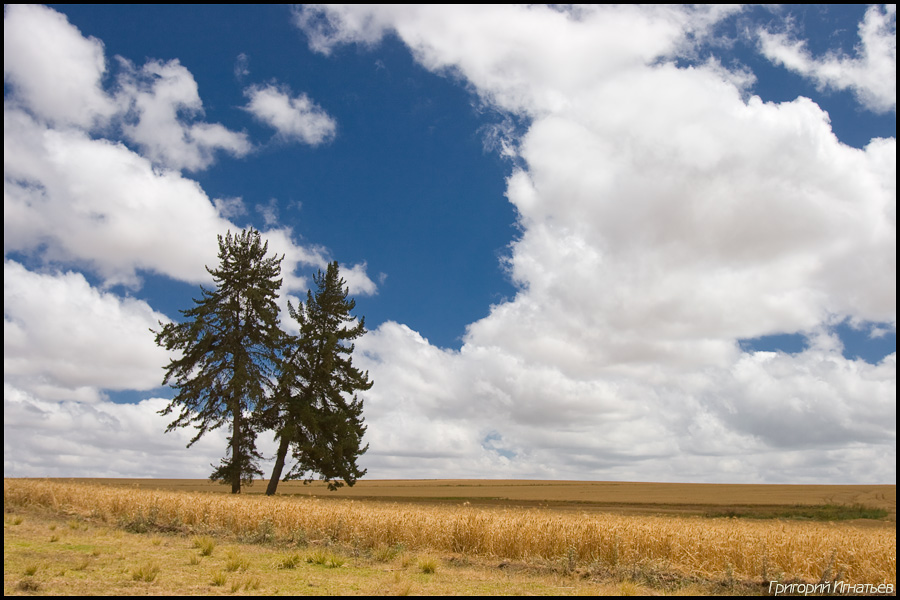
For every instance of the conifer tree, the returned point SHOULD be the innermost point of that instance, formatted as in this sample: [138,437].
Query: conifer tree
[229,348]
[315,410]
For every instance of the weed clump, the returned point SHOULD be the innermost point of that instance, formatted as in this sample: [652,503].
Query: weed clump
[205,544]
[428,564]
[146,572]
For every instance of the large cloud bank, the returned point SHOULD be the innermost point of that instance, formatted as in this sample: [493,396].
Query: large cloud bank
[665,214]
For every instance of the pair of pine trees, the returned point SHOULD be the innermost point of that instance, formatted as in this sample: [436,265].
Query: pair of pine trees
[237,366]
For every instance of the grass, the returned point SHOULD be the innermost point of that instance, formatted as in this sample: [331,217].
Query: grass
[205,544]
[289,562]
[236,562]
[428,564]
[456,548]
[129,565]
[145,572]
[823,512]
[325,558]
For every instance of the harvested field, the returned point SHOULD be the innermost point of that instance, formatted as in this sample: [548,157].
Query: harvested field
[603,496]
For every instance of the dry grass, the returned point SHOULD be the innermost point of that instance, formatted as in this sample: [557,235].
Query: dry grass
[712,549]
[124,554]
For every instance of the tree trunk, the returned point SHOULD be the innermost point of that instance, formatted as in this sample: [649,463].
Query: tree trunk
[235,453]
[279,464]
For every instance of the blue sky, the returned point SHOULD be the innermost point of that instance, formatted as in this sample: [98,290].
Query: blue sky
[406,184]
[609,243]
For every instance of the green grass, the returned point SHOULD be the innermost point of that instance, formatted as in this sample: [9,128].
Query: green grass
[326,559]
[820,512]
[289,562]
[236,562]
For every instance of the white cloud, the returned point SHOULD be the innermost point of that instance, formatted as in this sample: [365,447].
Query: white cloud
[54,71]
[45,438]
[158,102]
[358,281]
[294,118]
[93,201]
[230,207]
[57,75]
[872,75]
[269,212]
[75,199]
[529,60]
[64,340]
[658,229]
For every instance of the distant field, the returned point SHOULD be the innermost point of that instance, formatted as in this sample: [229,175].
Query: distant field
[603,496]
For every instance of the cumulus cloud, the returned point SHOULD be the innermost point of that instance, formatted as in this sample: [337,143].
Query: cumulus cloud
[46,438]
[56,72]
[657,230]
[63,339]
[294,118]
[77,198]
[73,197]
[871,75]
[158,101]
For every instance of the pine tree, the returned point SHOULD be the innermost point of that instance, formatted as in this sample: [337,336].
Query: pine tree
[315,409]
[229,345]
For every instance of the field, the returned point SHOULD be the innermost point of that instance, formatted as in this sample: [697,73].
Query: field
[444,537]
[583,496]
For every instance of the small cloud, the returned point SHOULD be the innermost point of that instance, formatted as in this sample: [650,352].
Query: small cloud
[871,75]
[241,66]
[230,207]
[269,212]
[358,281]
[295,118]
[160,103]
[876,333]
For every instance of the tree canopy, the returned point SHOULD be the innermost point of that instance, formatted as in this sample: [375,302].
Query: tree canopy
[235,365]
[316,411]
[229,348]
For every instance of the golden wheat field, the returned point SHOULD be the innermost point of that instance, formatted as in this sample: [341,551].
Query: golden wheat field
[604,496]
[692,546]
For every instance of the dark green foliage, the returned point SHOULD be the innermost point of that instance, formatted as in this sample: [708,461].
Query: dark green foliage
[229,345]
[315,411]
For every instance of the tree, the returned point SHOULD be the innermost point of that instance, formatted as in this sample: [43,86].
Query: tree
[229,346]
[315,410]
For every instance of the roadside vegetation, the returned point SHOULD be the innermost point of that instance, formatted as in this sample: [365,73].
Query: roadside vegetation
[256,543]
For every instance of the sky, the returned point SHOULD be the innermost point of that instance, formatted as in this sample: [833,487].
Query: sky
[615,243]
